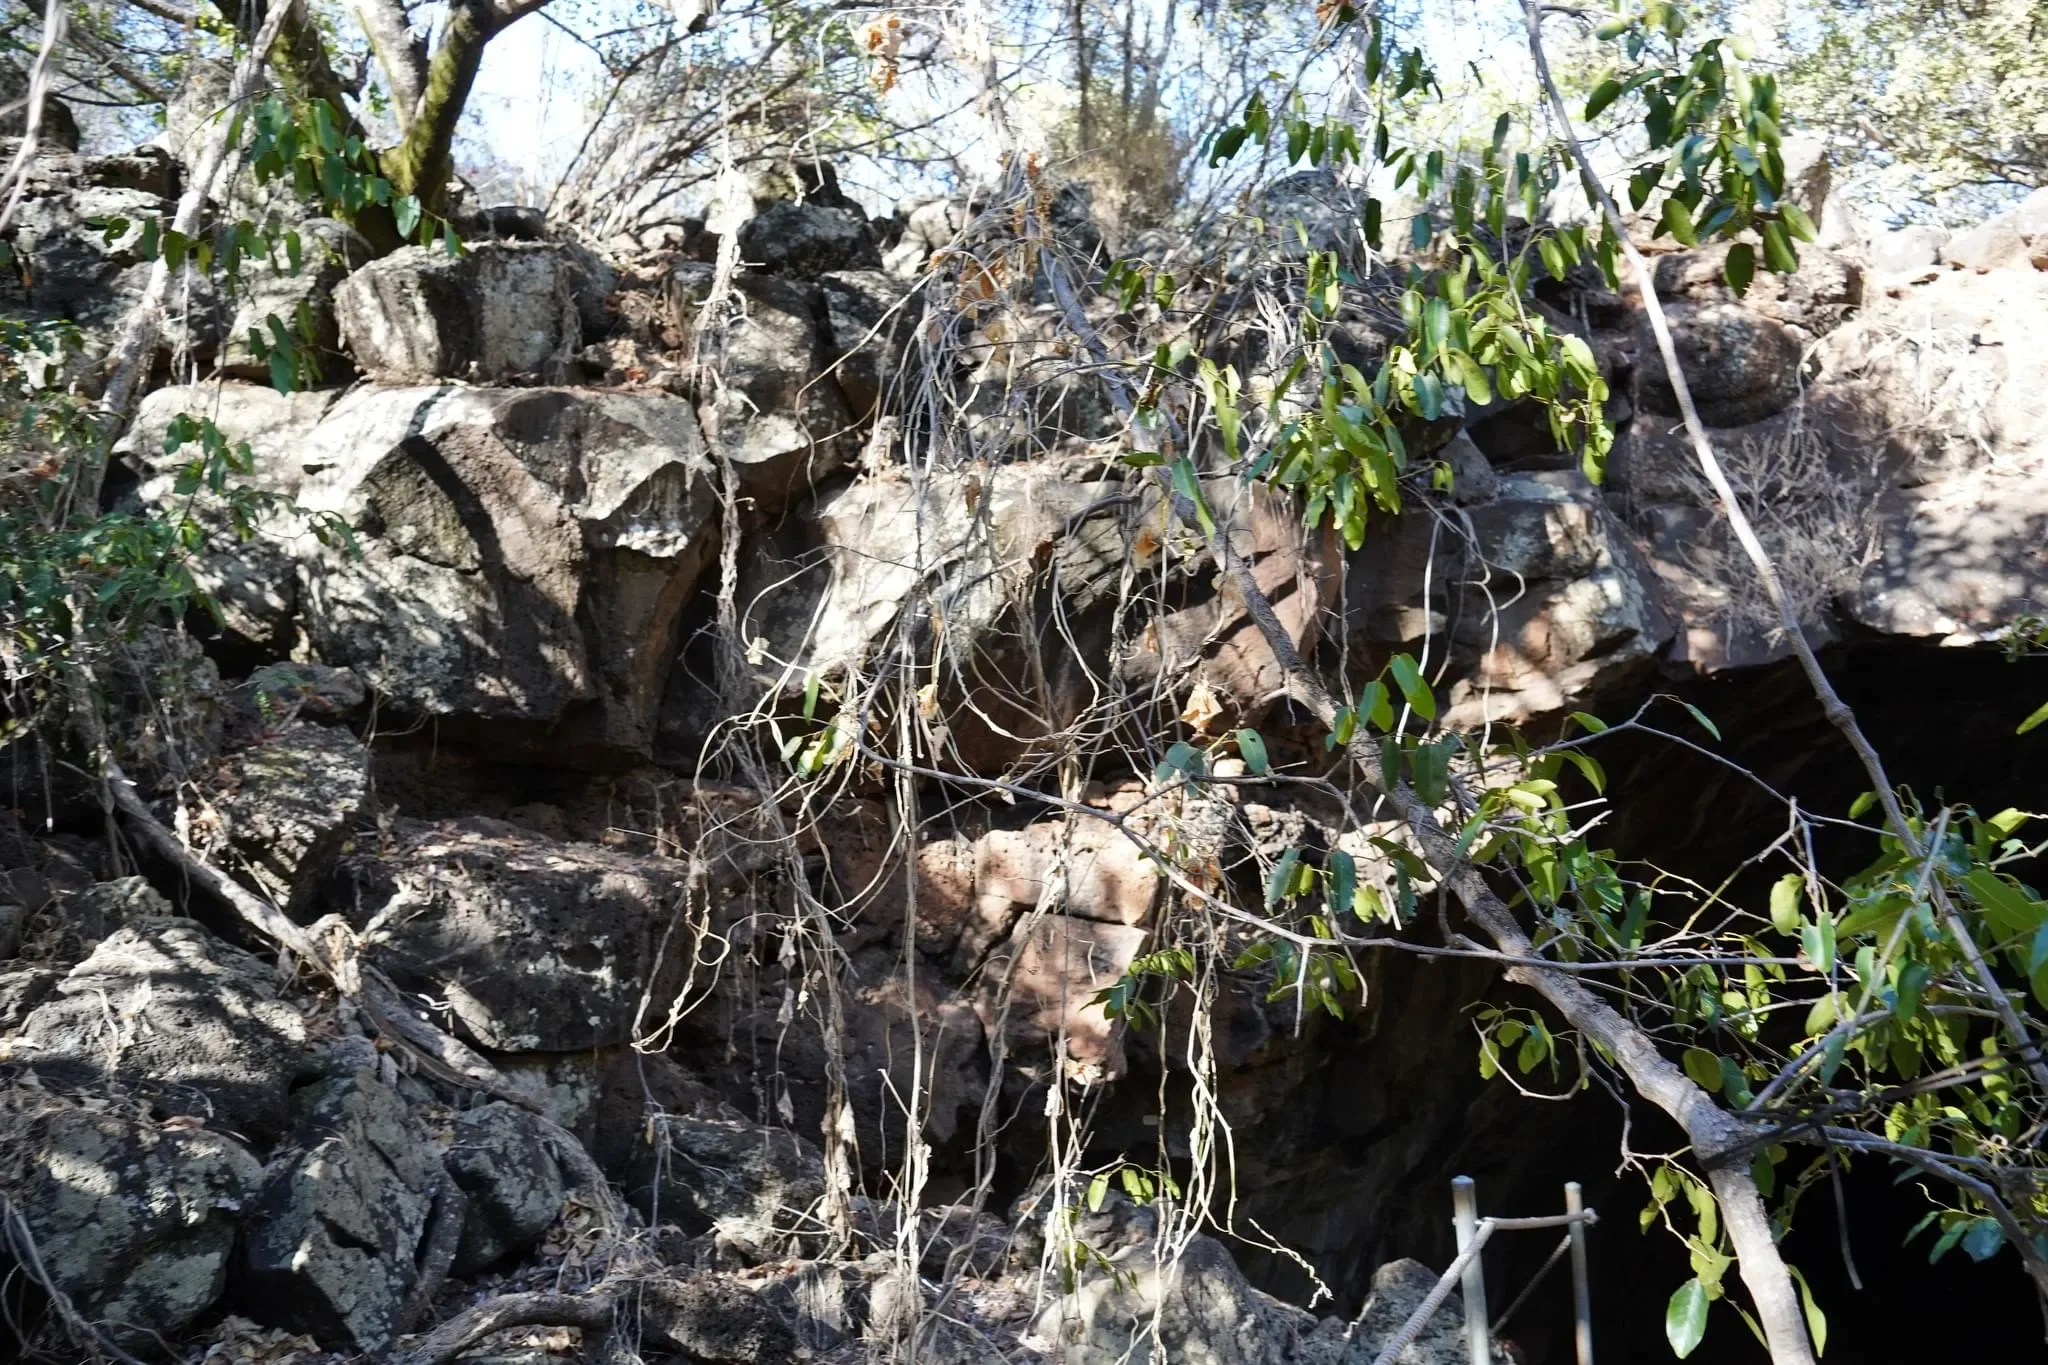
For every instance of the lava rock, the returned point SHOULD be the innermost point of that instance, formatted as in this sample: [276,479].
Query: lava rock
[329,251]
[1196,1309]
[133,1222]
[536,944]
[808,239]
[283,807]
[779,424]
[499,312]
[868,324]
[331,1245]
[716,1319]
[502,1160]
[752,1185]
[166,1011]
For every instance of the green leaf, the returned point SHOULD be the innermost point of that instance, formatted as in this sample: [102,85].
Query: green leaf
[1778,252]
[1984,1239]
[1741,267]
[2011,909]
[1913,981]
[1818,939]
[1283,873]
[1701,717]
[1604,94]
[1375,705]
[405,210]
[1816,1321]
[1785,903]
[1226,145]
[1098,1190]
[1734,1084]
[1685,1320]
[1589,767]
[2035,721]
[1181,758]
[1704,1068]
[1414,690]
[1420,229]
[1589,722]
[281,369]
[1796,219]
[1343,882]
[1252,748]
[1189,486]
[1677,220]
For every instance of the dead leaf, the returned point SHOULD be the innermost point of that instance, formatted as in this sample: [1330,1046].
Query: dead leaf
[1202,710]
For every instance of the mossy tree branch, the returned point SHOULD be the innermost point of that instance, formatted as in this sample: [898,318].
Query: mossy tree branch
[432,91]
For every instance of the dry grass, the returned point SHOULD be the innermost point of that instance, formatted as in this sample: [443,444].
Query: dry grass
[1817,521]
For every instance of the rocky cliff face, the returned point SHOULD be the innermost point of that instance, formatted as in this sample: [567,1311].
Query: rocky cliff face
[630,535]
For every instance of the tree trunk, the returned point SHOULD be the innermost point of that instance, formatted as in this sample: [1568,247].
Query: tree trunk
[422,164]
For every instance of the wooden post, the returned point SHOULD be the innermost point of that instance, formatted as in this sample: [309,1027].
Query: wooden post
[1465,1209]
[1582,1285]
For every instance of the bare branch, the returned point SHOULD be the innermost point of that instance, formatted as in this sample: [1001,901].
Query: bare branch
[587,1312]
[401,54]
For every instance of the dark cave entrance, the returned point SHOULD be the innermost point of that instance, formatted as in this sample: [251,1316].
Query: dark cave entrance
[1944,721]
[1355,1150]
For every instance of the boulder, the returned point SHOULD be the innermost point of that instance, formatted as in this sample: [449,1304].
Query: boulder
[331,1244]
[770,409]
[525,554]
[500,312]
[254,581]
[1824,292]
[716,1319]
[134,1221]
[278,694]
[1398,1289]
[1959,560]
[1299,570]
[35,871]
[537,945]
[756,1188]
[1547,599]
[281,807]
[1945,372]
[21,990]
[501,1158]
[2015,239]
[991,553]
[929,226]
[79,920]
[1908,251]
[1741,365]
[69,266]
[1195,1309]
[808,239]
[868,319]
[58,126]
[1313,211]
[165,1011]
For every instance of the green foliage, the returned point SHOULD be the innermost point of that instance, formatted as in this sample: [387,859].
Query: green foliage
[1711,125]
[1931,106]
[76,575]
